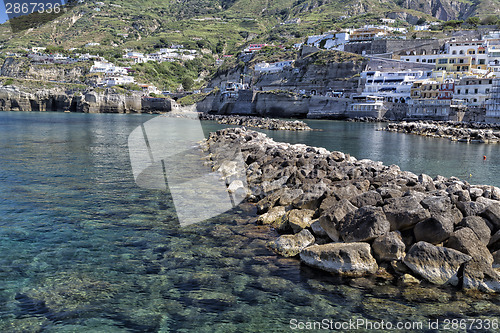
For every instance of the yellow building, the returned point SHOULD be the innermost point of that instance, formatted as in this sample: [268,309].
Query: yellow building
[454,63]
[425,89]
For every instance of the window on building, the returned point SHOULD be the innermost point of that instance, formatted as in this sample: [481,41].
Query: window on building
[461,51]
[475,91]
[466,91]
[452,61]
[454,52]
[443,61]
[482,61]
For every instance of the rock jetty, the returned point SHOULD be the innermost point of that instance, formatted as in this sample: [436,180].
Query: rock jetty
[359,217]
[258,122]
[455,131]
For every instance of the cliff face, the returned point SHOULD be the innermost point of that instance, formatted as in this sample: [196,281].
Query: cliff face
[442,9]
[108,101]
[281,105]
[22,68]
[13,99]
[319,72]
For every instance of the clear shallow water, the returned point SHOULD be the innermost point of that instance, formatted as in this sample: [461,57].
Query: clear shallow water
[83,249]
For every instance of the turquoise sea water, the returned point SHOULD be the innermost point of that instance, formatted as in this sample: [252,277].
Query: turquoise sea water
[83,249]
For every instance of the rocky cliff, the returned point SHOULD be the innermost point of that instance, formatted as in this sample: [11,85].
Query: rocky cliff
[442,9]
[24,69]
[91,101]
[281,104]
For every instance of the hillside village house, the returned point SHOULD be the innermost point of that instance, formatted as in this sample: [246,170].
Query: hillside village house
[107,68]
[275,67]
[474,91]
[254,48]
[117,80]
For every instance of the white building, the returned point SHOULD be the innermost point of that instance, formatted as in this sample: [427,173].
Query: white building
[367,106]
[388,21]
[391,86]
[117,80]
[493,103]
[273,67]
[107,68]
[423,27]
[473,91]
[136,56]
[38,49]
[331,41]
[430,108]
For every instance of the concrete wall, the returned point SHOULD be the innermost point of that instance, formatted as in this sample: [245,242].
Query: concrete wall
[398,46]
[328,107]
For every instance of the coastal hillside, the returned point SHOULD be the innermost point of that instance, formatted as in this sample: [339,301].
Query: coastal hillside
[223,27]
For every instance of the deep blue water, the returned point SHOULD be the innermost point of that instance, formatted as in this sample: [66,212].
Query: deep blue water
[83,249]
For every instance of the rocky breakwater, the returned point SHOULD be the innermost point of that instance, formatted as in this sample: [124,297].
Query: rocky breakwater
[359,217]
[258,122]
[462,132]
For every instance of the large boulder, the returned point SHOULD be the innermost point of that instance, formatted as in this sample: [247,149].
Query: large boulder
[365,224]
[274,217]
[434,230]
[479,226]
[299,219]
[436,204]
[346,191]
[312,197]
[332,215]
[370,198]
[347,259]
[471,208]
[478,273]
[289,196]
[492,213]
[404,212]
[436,264]
[291,245]
[389,247]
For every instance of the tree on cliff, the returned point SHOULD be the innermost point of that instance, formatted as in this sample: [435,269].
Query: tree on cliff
[187,83]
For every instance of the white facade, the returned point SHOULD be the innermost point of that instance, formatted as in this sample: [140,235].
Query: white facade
[392,86]
[430,108]
[117,80]
[424,27]
[463,47]
[493,103]
[331,41]
[273,67]
[107,68]
[473,91]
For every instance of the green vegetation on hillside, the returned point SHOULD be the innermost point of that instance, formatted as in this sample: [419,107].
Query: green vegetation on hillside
[171,75]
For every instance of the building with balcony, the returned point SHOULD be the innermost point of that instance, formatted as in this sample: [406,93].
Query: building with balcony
[473,91]
[493,103]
